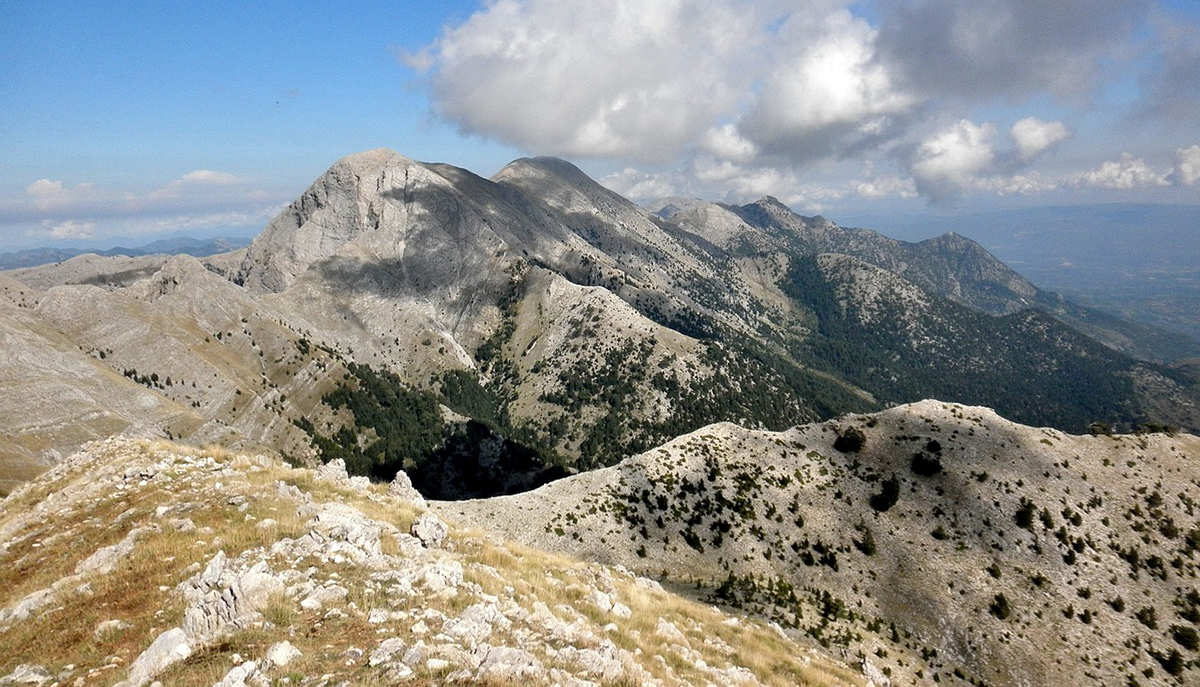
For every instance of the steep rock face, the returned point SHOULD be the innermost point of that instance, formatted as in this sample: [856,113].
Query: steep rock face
[377,221]
[941,540]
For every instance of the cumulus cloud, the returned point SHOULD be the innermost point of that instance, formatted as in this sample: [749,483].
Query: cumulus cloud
[827,94]
[947,164]
[884,187]
[728,144]
[605,78]
[736,183]
[47,194]
[70,229]
[1126,173]
[1034,137]
[1187,166]
[742,96]
[639,186]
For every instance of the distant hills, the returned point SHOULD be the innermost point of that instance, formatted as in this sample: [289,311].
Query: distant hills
[32,257]
[1141,261]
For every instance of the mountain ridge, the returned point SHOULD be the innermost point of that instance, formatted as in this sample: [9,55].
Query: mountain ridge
[660,324]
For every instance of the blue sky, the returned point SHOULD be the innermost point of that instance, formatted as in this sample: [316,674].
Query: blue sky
[137,120]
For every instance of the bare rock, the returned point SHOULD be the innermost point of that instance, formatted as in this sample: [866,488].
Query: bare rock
[27,674]
[387,651]
[169,648]
[324,595]
[333,471]
[507,663]
[282,653]
[440,575]
[402,488]
[476,624]
[239,676]
[105,560]
[430,529]
[109,626]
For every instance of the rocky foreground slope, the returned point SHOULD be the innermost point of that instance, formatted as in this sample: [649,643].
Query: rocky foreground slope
[946,543]
[136,562]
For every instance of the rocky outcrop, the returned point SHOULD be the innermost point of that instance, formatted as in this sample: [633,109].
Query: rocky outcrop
[331,586]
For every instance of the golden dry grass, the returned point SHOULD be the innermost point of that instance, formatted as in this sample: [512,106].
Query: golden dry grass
[141,591]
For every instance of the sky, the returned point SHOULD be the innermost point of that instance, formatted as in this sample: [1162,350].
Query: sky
[139,120]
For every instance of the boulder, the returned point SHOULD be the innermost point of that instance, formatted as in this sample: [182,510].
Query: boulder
[27,674]
[169,648]
[282,653]
[402,488]
[430,529]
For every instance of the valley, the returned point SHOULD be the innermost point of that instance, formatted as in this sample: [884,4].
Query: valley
[737,401]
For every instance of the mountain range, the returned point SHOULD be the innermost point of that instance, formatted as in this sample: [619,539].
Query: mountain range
[544,321]
[32,257]
[691,383]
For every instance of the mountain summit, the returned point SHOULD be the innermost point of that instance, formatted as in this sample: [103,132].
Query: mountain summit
[538,323]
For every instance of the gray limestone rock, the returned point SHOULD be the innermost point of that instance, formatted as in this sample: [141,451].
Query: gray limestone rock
[282,653]
[402,488]
[476,624]
[169,648]
[387,651]
[430,529]
[27,674]
[507,663]
[239,676]
[105,560]
[333,471]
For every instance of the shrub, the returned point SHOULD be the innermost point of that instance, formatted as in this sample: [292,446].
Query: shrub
[867,544]
[1000,607]
[850,441]
[1024,516]
[925,466]
[1186,637]
[888,497]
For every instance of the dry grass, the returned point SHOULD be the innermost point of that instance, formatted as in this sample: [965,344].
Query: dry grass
[141,590]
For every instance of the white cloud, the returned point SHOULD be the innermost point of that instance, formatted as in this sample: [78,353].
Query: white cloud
[232,218]
[49,194]
[198,179]
[1187,166]
[826,94]
[735,183]
[605,78]
[639,186]
[1017,184]
[207,177]
[884,187]
[70,229]
[726,143]
[1034,136]
[1126,173]
[948,163]
[740,96]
